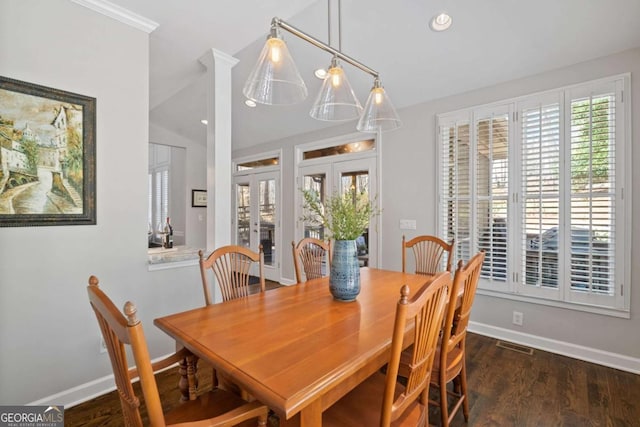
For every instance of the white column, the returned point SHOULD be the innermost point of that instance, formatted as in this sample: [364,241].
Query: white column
[219,97]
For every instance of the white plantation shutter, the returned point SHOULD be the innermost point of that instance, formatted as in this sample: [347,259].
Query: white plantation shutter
[540,195]
[592,202]
[150,202]
[164,195]
[542,191]
[492,191]
[160,198]
[455,179]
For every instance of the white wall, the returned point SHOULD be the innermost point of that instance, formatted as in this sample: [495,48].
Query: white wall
[409,157]
[48,333]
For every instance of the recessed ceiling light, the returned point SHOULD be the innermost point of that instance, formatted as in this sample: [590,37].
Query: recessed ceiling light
[204,121]
[320,73]
[440,22]
[250,103]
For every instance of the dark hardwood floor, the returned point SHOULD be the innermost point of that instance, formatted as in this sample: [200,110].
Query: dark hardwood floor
[507,388]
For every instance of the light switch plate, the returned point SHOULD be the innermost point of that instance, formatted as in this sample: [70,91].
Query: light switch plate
[407,224]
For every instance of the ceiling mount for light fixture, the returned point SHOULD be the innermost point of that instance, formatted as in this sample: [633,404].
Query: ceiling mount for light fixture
[440,22]
[275,80]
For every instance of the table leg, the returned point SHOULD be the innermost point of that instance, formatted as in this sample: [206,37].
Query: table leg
[311,416]
[188,384]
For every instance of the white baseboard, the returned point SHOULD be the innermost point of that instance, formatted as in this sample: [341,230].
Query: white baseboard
[587,354]
[79,394]
[87,391]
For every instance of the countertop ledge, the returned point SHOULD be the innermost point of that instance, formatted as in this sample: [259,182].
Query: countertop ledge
[168,258]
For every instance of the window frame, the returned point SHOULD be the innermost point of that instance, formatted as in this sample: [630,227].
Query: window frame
[513,288]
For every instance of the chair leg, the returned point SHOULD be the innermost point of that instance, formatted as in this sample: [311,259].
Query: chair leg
[444,412]
[463,391]
[424,400]
[456,385]
[214,378]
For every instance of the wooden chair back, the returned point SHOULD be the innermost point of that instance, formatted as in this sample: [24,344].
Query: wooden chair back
[217,408]
[428,252]
[310,253]
[231,266]
[451,365]
[425,310]
[117,332]
[465,284]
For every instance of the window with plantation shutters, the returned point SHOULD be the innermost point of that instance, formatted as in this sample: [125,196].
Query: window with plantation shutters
[492,191]
[538,183]
[161,196]
[455,186]
[540,194]
[159,186]
[592,187]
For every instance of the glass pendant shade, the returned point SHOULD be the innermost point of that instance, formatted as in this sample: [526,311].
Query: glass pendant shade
[378,113]
[336,100]
[275,79]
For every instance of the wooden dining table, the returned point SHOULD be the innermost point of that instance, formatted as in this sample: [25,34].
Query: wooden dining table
[295,348]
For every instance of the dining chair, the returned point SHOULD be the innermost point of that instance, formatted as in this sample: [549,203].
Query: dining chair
[449,365]
[216,408]
[428,252]
[383,401]
[231,265]
[311,254]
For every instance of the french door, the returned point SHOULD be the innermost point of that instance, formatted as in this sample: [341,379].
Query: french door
[256,219]
[329,177]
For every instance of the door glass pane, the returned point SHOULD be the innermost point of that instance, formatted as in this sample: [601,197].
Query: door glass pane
[317,183]
[358,181]
[271,161]
[267,219]
[351,147]
[244,214]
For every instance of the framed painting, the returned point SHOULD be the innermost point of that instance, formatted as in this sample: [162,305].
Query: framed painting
[199,198]
[47,156]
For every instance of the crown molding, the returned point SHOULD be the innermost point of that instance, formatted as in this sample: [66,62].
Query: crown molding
[119,13]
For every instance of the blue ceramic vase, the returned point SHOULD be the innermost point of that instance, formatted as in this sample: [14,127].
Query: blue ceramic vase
[344,279]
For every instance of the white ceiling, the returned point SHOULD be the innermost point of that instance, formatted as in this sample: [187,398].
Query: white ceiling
[490,41]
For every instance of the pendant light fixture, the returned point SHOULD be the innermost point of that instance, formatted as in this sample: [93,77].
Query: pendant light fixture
[336,100]
[378,111]
[275,80]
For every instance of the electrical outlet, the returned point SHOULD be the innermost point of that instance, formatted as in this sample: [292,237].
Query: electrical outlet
[103,346]
[518,318]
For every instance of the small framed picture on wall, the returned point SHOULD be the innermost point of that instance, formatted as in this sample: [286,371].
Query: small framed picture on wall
[199,198]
